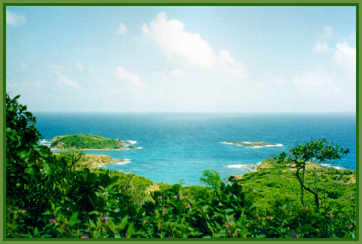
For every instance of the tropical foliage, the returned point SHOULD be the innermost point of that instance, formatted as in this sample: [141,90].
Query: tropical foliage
[50,196]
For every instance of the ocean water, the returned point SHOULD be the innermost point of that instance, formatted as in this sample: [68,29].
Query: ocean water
[179,147]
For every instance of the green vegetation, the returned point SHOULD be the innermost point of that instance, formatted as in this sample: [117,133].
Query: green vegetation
[89,160]
[275,193]
[82,141]
[250,144]
[55,196]
[320,150]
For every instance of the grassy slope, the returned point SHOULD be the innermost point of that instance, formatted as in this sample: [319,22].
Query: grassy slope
[271,182]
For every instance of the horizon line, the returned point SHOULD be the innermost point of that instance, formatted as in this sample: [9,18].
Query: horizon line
[185,112]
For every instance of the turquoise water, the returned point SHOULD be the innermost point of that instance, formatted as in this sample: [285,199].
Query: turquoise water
[181,146]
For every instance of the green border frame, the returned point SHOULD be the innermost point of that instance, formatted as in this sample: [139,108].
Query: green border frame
[4,3]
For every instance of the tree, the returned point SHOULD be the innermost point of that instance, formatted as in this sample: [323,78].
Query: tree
[21,139]
[313,151]
[24,162]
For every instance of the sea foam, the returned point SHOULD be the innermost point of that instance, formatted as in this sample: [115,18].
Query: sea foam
[275,145]
[332,166]
[249,166]
[123,162]
[44,142]
[248,142]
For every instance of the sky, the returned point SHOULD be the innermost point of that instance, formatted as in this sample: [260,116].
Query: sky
[239,59]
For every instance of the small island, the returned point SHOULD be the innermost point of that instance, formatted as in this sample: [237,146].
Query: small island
[257,144]
[90,142]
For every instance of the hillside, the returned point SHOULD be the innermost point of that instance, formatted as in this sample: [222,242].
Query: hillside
[273,182]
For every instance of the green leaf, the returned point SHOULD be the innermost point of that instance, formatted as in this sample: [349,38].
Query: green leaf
[29,171]
[36,231]
[93,213]
[229,210]
[131,230]
[74,219]
[124,223]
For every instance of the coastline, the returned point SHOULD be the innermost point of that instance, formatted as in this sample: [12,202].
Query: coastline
[96,160]
[270,166]
[247,144]
[95,149]
[119,161]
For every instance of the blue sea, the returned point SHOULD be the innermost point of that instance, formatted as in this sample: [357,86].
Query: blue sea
[179,147]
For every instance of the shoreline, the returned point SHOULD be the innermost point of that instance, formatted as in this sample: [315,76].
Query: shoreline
[94,149]
[81,142]
[269,164]
[247,144]
[119,161]
[97,160]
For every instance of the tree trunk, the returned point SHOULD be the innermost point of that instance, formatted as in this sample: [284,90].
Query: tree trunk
[302,188]
[301,182]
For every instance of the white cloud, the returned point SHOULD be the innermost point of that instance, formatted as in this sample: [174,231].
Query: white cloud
[327,32]
[14,19]
[330,86]
[279,81]
[321,47]
[339,74]
[125,75]
[318,82]
[170,35]
[122,29]
[345,57]
[65,81]
[175,72]
[145,28]
[235,68]
[79,67]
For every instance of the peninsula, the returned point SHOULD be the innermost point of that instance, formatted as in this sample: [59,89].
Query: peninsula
[92,160]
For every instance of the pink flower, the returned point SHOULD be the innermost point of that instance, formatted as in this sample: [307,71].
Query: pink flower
[126,235]
[160,197]
[84,236]
[351,227]
[294,235]
[188,205]
[182,197]
[52,221]
[288,228]
[228,224]
[270,217]
[104,218]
